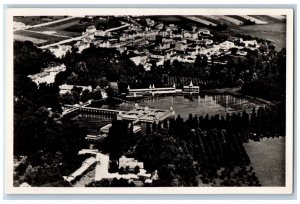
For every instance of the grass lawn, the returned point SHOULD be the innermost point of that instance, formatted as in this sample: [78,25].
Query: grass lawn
[268,160]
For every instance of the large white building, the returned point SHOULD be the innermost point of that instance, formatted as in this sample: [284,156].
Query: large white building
[152,90]
[47,75]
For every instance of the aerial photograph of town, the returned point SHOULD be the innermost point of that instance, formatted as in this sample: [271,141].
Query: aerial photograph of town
[149,101]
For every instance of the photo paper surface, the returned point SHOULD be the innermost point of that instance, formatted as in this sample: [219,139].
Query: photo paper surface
[149,101]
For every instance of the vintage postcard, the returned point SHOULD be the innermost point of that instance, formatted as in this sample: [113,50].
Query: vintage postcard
[149,101]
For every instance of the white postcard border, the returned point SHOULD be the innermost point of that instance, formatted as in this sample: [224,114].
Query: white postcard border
[8,137]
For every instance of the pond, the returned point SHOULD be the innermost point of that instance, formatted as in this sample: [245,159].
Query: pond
[183,106]
[201,105]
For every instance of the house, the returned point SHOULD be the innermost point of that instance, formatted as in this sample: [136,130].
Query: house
[160,63]
[104,43]
[192,51]
[139,59]
[101,33]
[194,35]
[186,34]
[226,45]
[178,35]
[180,46]
[91,29]
[242,53]
[157,56]
[250,43]
[159,26]
[205,33]
[163,33]
[186,58]
[164,46]
[171,25]
[130,162]
[208,41]
[150,22]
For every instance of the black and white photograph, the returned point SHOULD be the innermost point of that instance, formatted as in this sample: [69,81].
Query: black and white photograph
[150,101]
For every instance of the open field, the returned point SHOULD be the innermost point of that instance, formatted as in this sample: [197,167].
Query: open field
[60,27]
[33,20]
[39,38]
[214,19]
[275,32]
[269,19]
[278,17]
[43,32]
[256,20]
[230,20]
[268,160]
[198,19]
[25,38]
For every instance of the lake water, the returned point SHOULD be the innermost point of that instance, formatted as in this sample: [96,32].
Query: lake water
[202,105]
[183,106]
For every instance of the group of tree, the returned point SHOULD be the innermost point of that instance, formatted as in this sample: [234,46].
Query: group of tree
[28,60]
[218,27]
[171,146]
[248,22]
[272,84]
[37,134]
[120,140]
[76,95]
[163,151]
[95,65]
[51,146]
